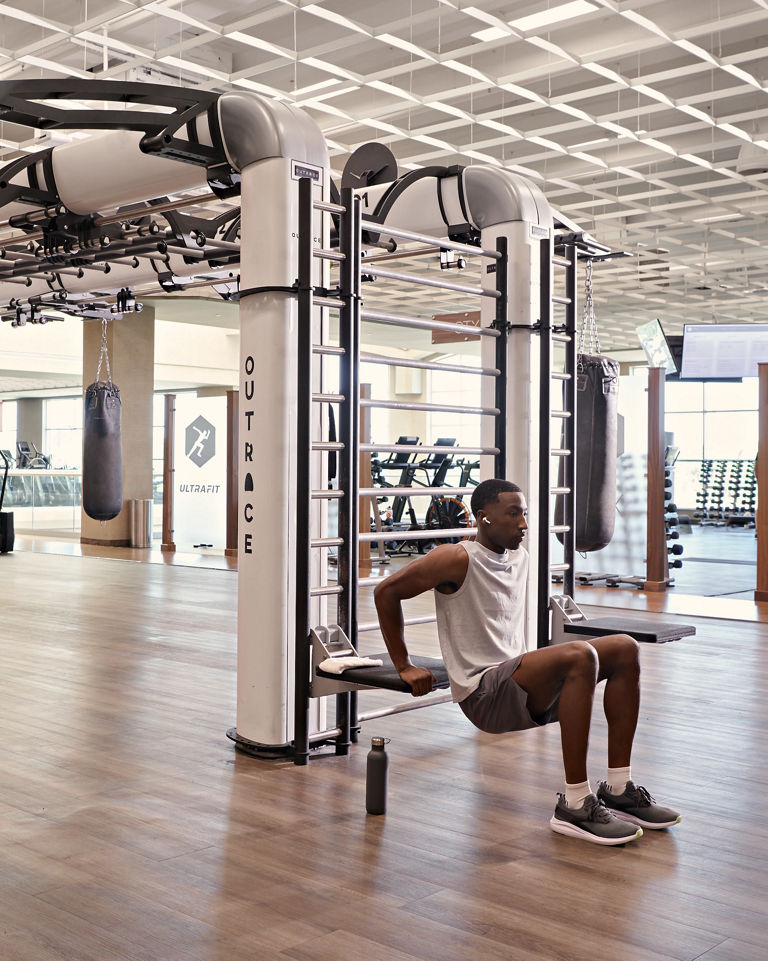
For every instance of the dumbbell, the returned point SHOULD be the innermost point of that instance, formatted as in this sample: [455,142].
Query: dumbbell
[675,549]
[677,563]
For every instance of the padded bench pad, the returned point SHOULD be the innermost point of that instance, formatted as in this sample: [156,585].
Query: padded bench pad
[642,629]
[386,677]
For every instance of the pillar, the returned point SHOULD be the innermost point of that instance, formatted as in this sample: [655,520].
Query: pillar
[761,521]
[131,346]
[656,569]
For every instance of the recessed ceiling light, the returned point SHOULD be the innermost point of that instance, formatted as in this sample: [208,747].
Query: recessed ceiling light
[490,33]
[546,18]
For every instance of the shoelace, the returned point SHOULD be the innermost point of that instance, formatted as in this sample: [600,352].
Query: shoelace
[640,796]
[596,810]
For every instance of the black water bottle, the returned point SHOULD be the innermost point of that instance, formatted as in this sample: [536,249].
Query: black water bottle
[376,777]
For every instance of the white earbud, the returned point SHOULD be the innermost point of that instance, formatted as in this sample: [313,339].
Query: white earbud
[486,521]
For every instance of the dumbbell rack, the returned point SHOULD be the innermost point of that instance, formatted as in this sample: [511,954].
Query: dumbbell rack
[727,493]
[742,488]
[671,522]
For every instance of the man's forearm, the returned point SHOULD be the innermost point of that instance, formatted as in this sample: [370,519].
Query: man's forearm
[390,612]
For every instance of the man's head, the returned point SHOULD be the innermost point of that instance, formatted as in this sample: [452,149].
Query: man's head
[500,510]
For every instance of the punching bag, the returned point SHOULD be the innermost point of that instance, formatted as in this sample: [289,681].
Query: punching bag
[597,388]
[596,436]
[102,445]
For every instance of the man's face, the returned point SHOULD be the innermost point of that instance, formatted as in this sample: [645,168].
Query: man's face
[508,520]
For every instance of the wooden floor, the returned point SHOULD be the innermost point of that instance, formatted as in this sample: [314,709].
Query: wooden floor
[130,830]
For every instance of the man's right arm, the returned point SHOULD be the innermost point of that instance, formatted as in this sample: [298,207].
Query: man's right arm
[446,564]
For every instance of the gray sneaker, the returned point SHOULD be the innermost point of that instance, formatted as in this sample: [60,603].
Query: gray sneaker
[637,805]
[592,822]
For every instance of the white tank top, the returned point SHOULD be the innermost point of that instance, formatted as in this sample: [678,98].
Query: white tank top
[481,625]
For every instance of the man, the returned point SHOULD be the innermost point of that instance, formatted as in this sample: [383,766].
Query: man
[479,591]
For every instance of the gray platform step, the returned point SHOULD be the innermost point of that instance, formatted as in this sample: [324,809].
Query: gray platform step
[643,630]
[386,677]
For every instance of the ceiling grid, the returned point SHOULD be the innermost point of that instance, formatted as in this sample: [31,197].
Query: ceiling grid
[644,121]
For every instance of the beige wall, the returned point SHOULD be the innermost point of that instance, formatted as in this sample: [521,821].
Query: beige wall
[131,345]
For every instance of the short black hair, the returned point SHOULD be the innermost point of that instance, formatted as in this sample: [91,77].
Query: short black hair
[488,491]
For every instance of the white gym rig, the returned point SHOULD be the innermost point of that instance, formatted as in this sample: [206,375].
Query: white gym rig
[99,207]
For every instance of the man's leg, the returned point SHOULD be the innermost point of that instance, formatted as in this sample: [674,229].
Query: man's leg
[568,672]
[619,667]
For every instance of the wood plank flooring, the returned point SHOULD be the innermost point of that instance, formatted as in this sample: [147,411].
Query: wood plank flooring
[130,830]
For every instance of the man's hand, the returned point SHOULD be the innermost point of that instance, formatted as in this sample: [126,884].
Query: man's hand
[420,680]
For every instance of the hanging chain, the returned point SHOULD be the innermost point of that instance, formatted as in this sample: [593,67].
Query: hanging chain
[104,353]
[588,323]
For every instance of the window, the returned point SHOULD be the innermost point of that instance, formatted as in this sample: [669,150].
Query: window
[8,426]
[63,431]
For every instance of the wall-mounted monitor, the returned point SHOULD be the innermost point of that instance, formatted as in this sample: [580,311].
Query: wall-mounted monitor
[656,348]
[723,351]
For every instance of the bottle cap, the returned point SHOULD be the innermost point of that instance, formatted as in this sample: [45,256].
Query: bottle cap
[379,741]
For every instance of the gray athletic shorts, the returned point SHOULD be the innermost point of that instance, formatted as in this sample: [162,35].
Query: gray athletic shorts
[499,704]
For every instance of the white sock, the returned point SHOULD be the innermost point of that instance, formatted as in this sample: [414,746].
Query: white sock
[617,779]
[575,794]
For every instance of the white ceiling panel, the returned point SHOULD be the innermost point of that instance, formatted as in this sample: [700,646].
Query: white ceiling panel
[631,115]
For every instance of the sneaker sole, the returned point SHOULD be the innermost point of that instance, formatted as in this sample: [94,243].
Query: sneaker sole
[651,825]
[574,831]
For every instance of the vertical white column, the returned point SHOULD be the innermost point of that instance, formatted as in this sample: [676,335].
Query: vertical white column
[523,406]
[267,468]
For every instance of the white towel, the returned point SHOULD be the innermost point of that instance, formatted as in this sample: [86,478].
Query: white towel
[337,665]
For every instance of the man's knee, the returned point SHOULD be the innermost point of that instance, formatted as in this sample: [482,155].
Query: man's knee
[580,659]
[619,652]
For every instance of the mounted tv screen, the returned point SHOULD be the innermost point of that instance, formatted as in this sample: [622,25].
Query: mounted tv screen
[654,343]
[723,351]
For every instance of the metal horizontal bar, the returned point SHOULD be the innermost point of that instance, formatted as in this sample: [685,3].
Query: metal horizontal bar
[441,408]
[554,568]
[327,445]
[561,300]
[329,255]
[328,398]
[326,349]
[429,282]
[320,591]
[430,534]
[415,705]
[402,320]
[328,302]
[559,529]
[388,231]
[560,490]
[418,449]
[562,414]
[399,255]
[331,208]
[561,262]
[326,542]
[408,622]
[429,365]
[330,495]
[562,338]
[414,491]
[560,452]
[561,376]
